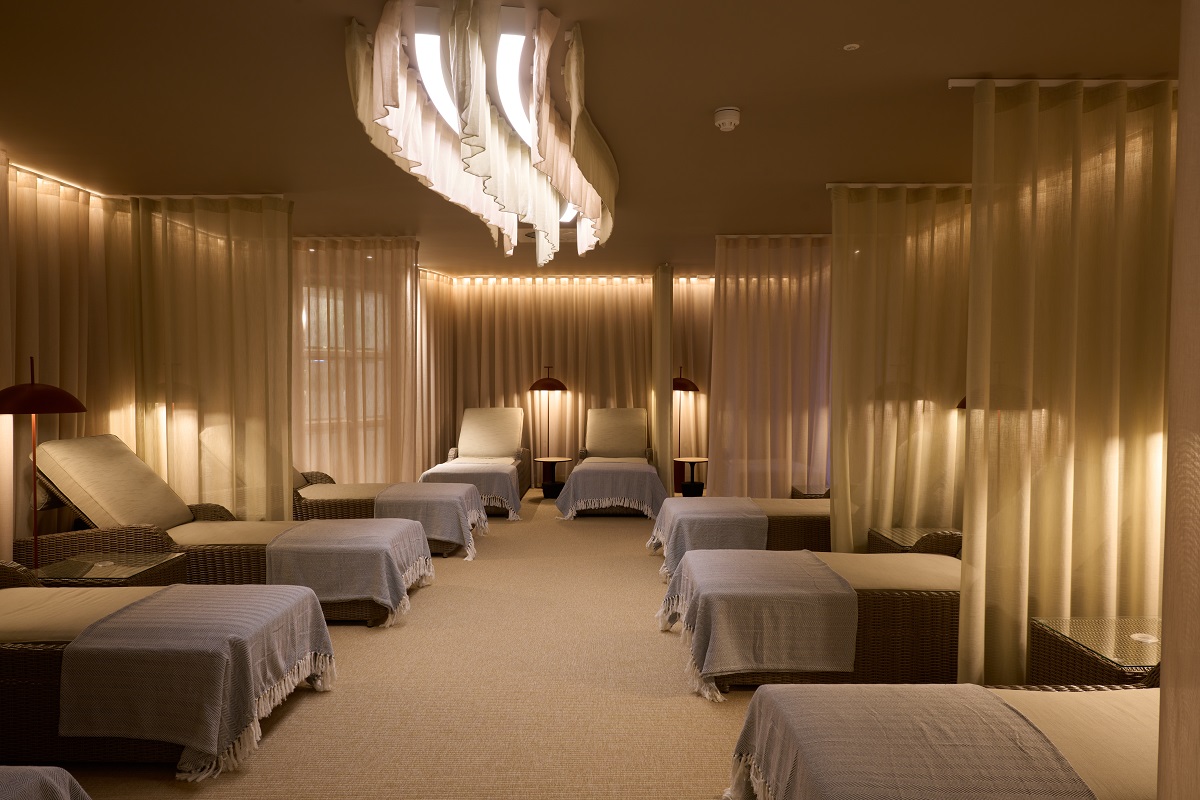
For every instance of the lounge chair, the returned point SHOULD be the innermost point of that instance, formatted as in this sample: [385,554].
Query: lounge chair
[490,456]
[752,617]
[737,523]
[91,674]
[449,512]
[360,569]
[616,474]
[934,742]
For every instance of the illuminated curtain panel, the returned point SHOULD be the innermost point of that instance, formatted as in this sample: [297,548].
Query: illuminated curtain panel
[594,332]
[588,147]
[212,281]
[691,349]
[1066,362]
[400,120]
[488,168]
[899,326]
[552,141]
[358,375]
[62,252]
[491,149]
[437,353]
[768,427]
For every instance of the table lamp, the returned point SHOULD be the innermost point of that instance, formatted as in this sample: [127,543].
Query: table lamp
[548,384]
[33,399]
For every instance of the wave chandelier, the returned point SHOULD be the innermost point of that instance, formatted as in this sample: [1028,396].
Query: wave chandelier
[517,160]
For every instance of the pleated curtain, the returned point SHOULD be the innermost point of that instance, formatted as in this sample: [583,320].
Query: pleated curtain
[1066,362]
[691,350]
[769,413]
[899,324]
[211,282]
[357,411]
[1179,713]
[56,305]
[593,332]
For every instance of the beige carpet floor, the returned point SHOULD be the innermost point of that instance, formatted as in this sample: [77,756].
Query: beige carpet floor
[535,671]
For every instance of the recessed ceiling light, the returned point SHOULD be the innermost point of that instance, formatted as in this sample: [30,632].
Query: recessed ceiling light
[850,48]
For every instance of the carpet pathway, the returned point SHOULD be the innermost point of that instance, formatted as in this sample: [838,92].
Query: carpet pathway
[535,671]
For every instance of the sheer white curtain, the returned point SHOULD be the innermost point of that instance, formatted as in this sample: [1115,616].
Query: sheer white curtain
[363,395]
[594,332]
[58,304]
[1066,362]
[768,426]
[691,349]
[437,354]
[901,256]
[212,285]
[1179,712]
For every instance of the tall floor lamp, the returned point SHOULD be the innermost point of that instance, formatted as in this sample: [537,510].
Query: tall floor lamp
[550,487]
[33,399]
[680,384]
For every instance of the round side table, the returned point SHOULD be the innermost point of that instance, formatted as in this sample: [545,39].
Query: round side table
[550,487]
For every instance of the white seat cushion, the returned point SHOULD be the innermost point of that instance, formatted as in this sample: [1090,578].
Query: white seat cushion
[232,532]
[617,432]
[490,432]
[43,614]
[110,484]
[342,491]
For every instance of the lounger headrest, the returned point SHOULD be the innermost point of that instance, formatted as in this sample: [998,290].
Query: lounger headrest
[106,480]
[617,432]
[490,432]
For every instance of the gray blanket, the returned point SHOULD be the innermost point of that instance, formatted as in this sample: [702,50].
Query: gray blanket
[706,523]
[353,559]
[760,611]
[447,511]
[887,741]
[195,665]
[607,484]
[497,483]
[39,783]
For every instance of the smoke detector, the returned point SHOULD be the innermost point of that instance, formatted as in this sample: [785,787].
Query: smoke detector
[727,118]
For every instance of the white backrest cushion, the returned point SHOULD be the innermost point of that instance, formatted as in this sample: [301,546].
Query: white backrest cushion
[617,432]
[490,432]
[298,479]
[110,484]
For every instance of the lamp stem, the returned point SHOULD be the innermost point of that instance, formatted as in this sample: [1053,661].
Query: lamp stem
[33,499]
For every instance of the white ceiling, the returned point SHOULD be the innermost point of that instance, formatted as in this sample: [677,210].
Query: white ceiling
[167,97]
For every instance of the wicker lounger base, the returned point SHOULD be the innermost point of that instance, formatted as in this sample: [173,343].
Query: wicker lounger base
[227,564]
[903,637]
[798,533]
[29,684]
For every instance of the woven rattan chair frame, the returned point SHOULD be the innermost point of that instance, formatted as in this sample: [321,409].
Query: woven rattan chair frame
[798,533]
[229,563]
[903,637]
[354,508]
[1054,654]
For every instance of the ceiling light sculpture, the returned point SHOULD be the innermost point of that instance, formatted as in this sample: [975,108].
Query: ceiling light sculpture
[437,121]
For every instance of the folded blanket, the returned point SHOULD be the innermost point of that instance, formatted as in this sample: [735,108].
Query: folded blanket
[497,483]
[706,523]
[760,611]
[447,511]
[353,559]
[199,666]
[605,484]
[894,741]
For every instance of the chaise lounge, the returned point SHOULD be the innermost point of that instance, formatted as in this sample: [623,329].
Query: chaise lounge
[490,456]
[91,674]
[737,523]
[615,473]
[449,512]
[751,617]
[360,569]
[933,742]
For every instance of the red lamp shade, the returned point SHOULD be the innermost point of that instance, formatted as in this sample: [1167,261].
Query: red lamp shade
[548,384]
[38,398]
[682,384]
